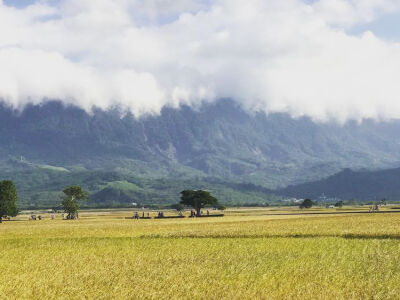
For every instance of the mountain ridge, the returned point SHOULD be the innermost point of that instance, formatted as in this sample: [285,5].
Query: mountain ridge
[348,184]
[217,140]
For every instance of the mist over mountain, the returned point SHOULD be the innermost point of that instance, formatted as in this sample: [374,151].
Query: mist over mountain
[218,140]
[300,57]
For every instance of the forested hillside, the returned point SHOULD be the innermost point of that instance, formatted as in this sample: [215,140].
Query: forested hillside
[347,184]
[218,141]
[43,188]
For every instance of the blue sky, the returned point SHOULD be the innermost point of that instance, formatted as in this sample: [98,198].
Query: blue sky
[387,26]
[18,3]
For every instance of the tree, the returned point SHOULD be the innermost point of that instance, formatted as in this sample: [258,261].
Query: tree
[307,203]
[197,199]
[8,199]
[339,203]
[73,195]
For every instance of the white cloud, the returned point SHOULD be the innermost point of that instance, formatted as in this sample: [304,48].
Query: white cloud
[350,12]
[283,56]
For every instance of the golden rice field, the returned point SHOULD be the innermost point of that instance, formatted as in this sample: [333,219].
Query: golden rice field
[244,255]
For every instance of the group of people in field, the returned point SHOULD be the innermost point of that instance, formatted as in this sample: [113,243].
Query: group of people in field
[136,215]
[194,214]
[39,217]
[161,214]
[374,208]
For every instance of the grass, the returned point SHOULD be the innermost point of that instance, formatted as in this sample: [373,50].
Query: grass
[245,255]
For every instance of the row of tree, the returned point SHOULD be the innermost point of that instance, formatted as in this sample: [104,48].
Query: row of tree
[197,199]
[9,198]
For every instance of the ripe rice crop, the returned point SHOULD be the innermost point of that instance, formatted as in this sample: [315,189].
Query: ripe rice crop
[247,256]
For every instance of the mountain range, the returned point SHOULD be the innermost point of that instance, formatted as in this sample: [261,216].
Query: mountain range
[238,154]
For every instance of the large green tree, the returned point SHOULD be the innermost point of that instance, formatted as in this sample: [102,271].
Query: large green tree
[307,203]
[73,195]
[8,199]
[197,199]
[339,203]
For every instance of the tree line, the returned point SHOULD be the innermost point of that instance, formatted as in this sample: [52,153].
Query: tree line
[196,199]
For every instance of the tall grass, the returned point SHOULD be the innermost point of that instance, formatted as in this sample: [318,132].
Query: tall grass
[236,257]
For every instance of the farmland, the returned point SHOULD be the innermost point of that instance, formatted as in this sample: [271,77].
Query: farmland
[247,254]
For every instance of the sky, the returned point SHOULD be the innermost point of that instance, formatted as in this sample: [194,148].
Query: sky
[325,59]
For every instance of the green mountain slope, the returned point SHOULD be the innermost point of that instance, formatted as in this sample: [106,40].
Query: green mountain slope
[42,188]
[219,141]
[348,184]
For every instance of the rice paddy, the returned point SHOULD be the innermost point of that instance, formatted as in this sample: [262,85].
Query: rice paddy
[247,254]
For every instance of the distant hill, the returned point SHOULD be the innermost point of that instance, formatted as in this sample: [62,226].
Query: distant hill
[348,184]
[41,188]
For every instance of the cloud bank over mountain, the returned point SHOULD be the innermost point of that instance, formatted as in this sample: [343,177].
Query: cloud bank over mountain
[288,56]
